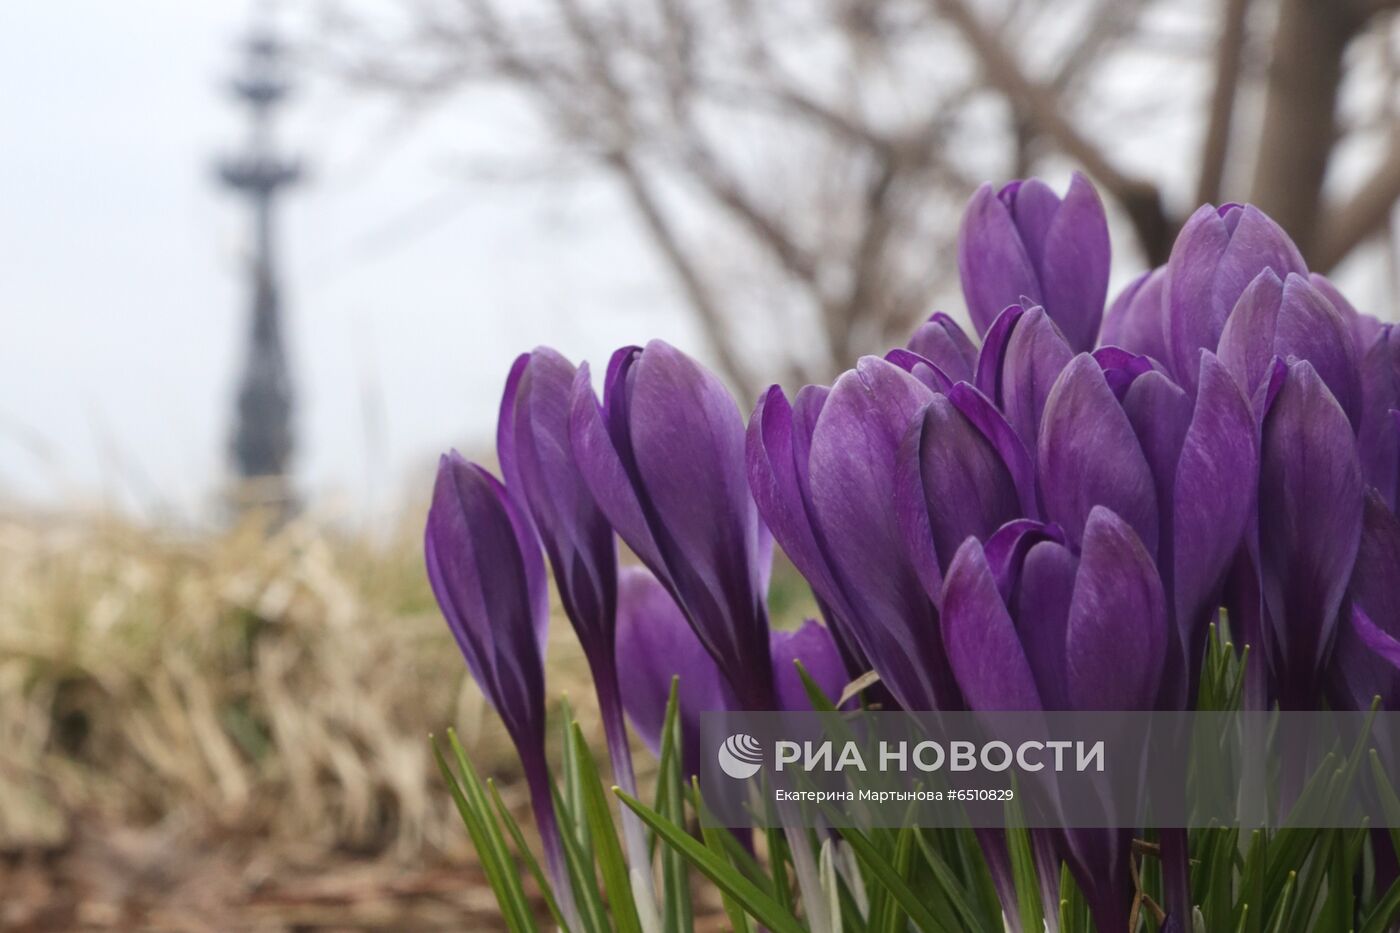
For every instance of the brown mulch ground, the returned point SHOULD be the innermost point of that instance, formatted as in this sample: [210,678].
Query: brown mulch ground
[167,879]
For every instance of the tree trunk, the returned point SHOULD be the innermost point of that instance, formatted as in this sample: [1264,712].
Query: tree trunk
[1299,129]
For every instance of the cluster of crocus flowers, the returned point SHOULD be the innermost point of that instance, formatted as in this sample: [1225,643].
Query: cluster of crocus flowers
[1049,516]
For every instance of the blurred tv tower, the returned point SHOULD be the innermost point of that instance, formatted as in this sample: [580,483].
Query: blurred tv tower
[261,444]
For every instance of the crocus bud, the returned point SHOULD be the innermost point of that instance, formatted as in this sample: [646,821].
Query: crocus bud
[1136,320]
[1310,518]
[1119,433]
[485,569]
[1026,243]
[1291,318]
[663,456]
[1217,254]
[1085,632]
[851,471]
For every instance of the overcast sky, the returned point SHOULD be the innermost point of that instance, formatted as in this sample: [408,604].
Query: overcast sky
[409,285]
[410,281]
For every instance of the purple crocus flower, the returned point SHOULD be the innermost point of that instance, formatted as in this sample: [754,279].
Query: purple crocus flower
[1379,437]
[1031,623]
[1026,243]
[1311,497]
[663,456]
[1136,320]
[823,473]
[655,644]
[532,441]
[1291,318]
[1217,254]
[487,573]
[1118,433]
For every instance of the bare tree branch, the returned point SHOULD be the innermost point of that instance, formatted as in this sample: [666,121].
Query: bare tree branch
[1229,55]
[718,331]
[1363,215]
[1139,198]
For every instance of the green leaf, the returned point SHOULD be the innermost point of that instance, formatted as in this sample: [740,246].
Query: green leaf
[531,862]
[495,863]
[593,913]
[882,870]
[573,790]
[948,882]
[678,916]
[611,862]
[1023,872]
[758,903]
[1386,912]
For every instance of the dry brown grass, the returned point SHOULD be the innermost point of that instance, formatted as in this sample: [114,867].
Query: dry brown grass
[268,697]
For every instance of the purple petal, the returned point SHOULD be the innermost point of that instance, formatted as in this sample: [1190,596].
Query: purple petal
[1117,631]
[1074,271]
[1137,319]
[927,372]
[779,490]
[1089,455]
[984,650]
[942,342]
[980,412]
[654,644]
[1006,551]
[687,437]
[1121,368]
[488,576]
[1043,596]
[1033,206]
[992,260]
[993,353]
[852,465]
[968,491]
[1291,319]
[1214,491]
[540,469]
[1310,505]
[812,645]
[1036,354]
[852,483]
[1160,413]
[600,463]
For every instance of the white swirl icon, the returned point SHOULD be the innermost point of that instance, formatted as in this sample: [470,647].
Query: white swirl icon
[740,756]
